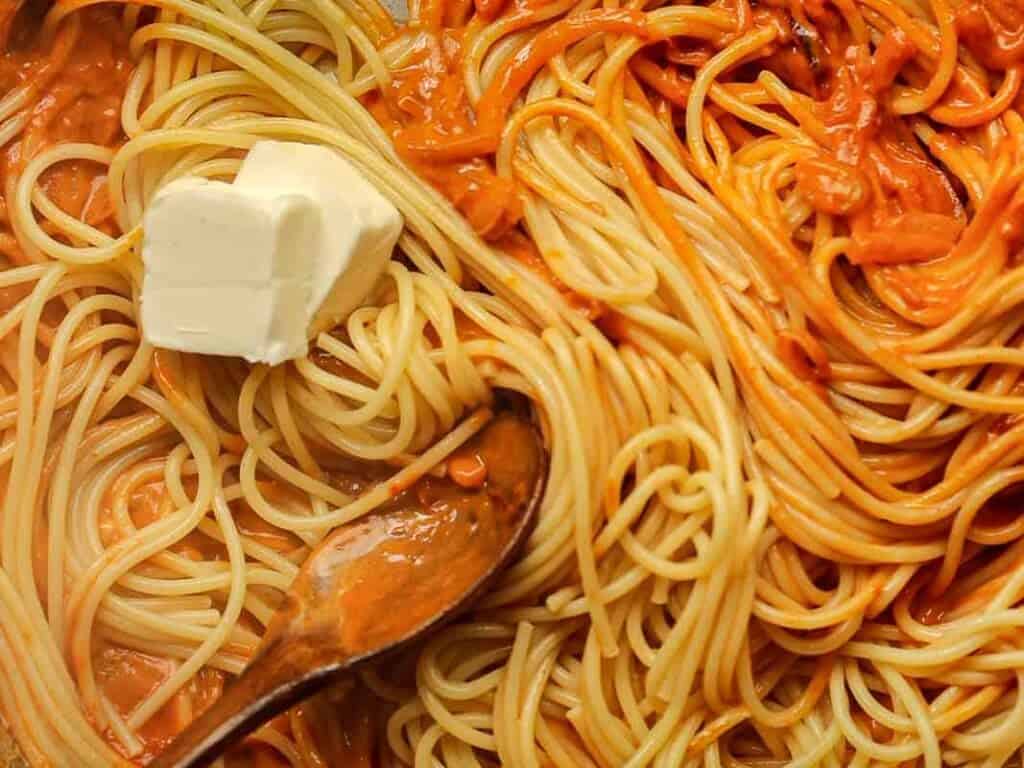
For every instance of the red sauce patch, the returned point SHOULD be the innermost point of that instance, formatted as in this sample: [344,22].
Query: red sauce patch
[993,31]
[78,83]
[428,95]
[128,678]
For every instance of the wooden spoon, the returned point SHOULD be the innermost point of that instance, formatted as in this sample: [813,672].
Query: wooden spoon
[376,585]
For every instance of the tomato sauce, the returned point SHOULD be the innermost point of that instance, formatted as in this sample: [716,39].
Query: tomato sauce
[147,504]
[450,144]
[832,187]
[453,526]
[804,355]
[428,93]
[904,216]
[429,144]
[666,80]
[427,102]
[877,172]
[255,528]
[993,31]
[127,678]
[78,81]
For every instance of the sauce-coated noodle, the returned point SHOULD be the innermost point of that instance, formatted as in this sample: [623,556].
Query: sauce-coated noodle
[757,265]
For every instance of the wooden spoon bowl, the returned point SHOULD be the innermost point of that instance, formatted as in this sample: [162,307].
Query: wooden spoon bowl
[375,586]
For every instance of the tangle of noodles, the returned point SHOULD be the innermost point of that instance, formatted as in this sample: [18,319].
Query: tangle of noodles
[757,265]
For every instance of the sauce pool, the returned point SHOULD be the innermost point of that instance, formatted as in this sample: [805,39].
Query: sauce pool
[77,82]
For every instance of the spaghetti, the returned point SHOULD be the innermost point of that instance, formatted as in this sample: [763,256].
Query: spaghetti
[755,263]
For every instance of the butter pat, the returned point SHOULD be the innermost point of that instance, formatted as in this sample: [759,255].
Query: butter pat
[228,272]
[256,268]
[360,226]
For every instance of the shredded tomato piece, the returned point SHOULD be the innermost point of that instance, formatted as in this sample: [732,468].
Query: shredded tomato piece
[429,94]
[127,678]
[831,186]
[906,237]
[467,470]
[902,208]
[77,82]
[425,142]
[993,31]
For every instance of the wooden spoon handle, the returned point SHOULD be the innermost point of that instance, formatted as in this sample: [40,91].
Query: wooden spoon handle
[268,686]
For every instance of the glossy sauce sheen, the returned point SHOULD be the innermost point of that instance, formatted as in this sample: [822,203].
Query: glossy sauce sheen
[79,81]
[129,677]
[907,221]
[428,94]
[419,553]
[428,114]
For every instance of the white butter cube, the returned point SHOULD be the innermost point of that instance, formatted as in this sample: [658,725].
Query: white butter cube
[227,271]
[262,323]
[256,268]
[360,225]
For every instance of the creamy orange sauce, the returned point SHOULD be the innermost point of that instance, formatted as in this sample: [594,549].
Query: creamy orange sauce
[873,168]
[804,356]
[427,102]
[458,532]
[127,678]
[993,31]
[376,582]
[428,93]
[78,81]
[255,528]
[904,209]
[906,221]
[903,214]
[150,502]
[450,143]
[430,144]
[832,187]
[147,504]
[667,80]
